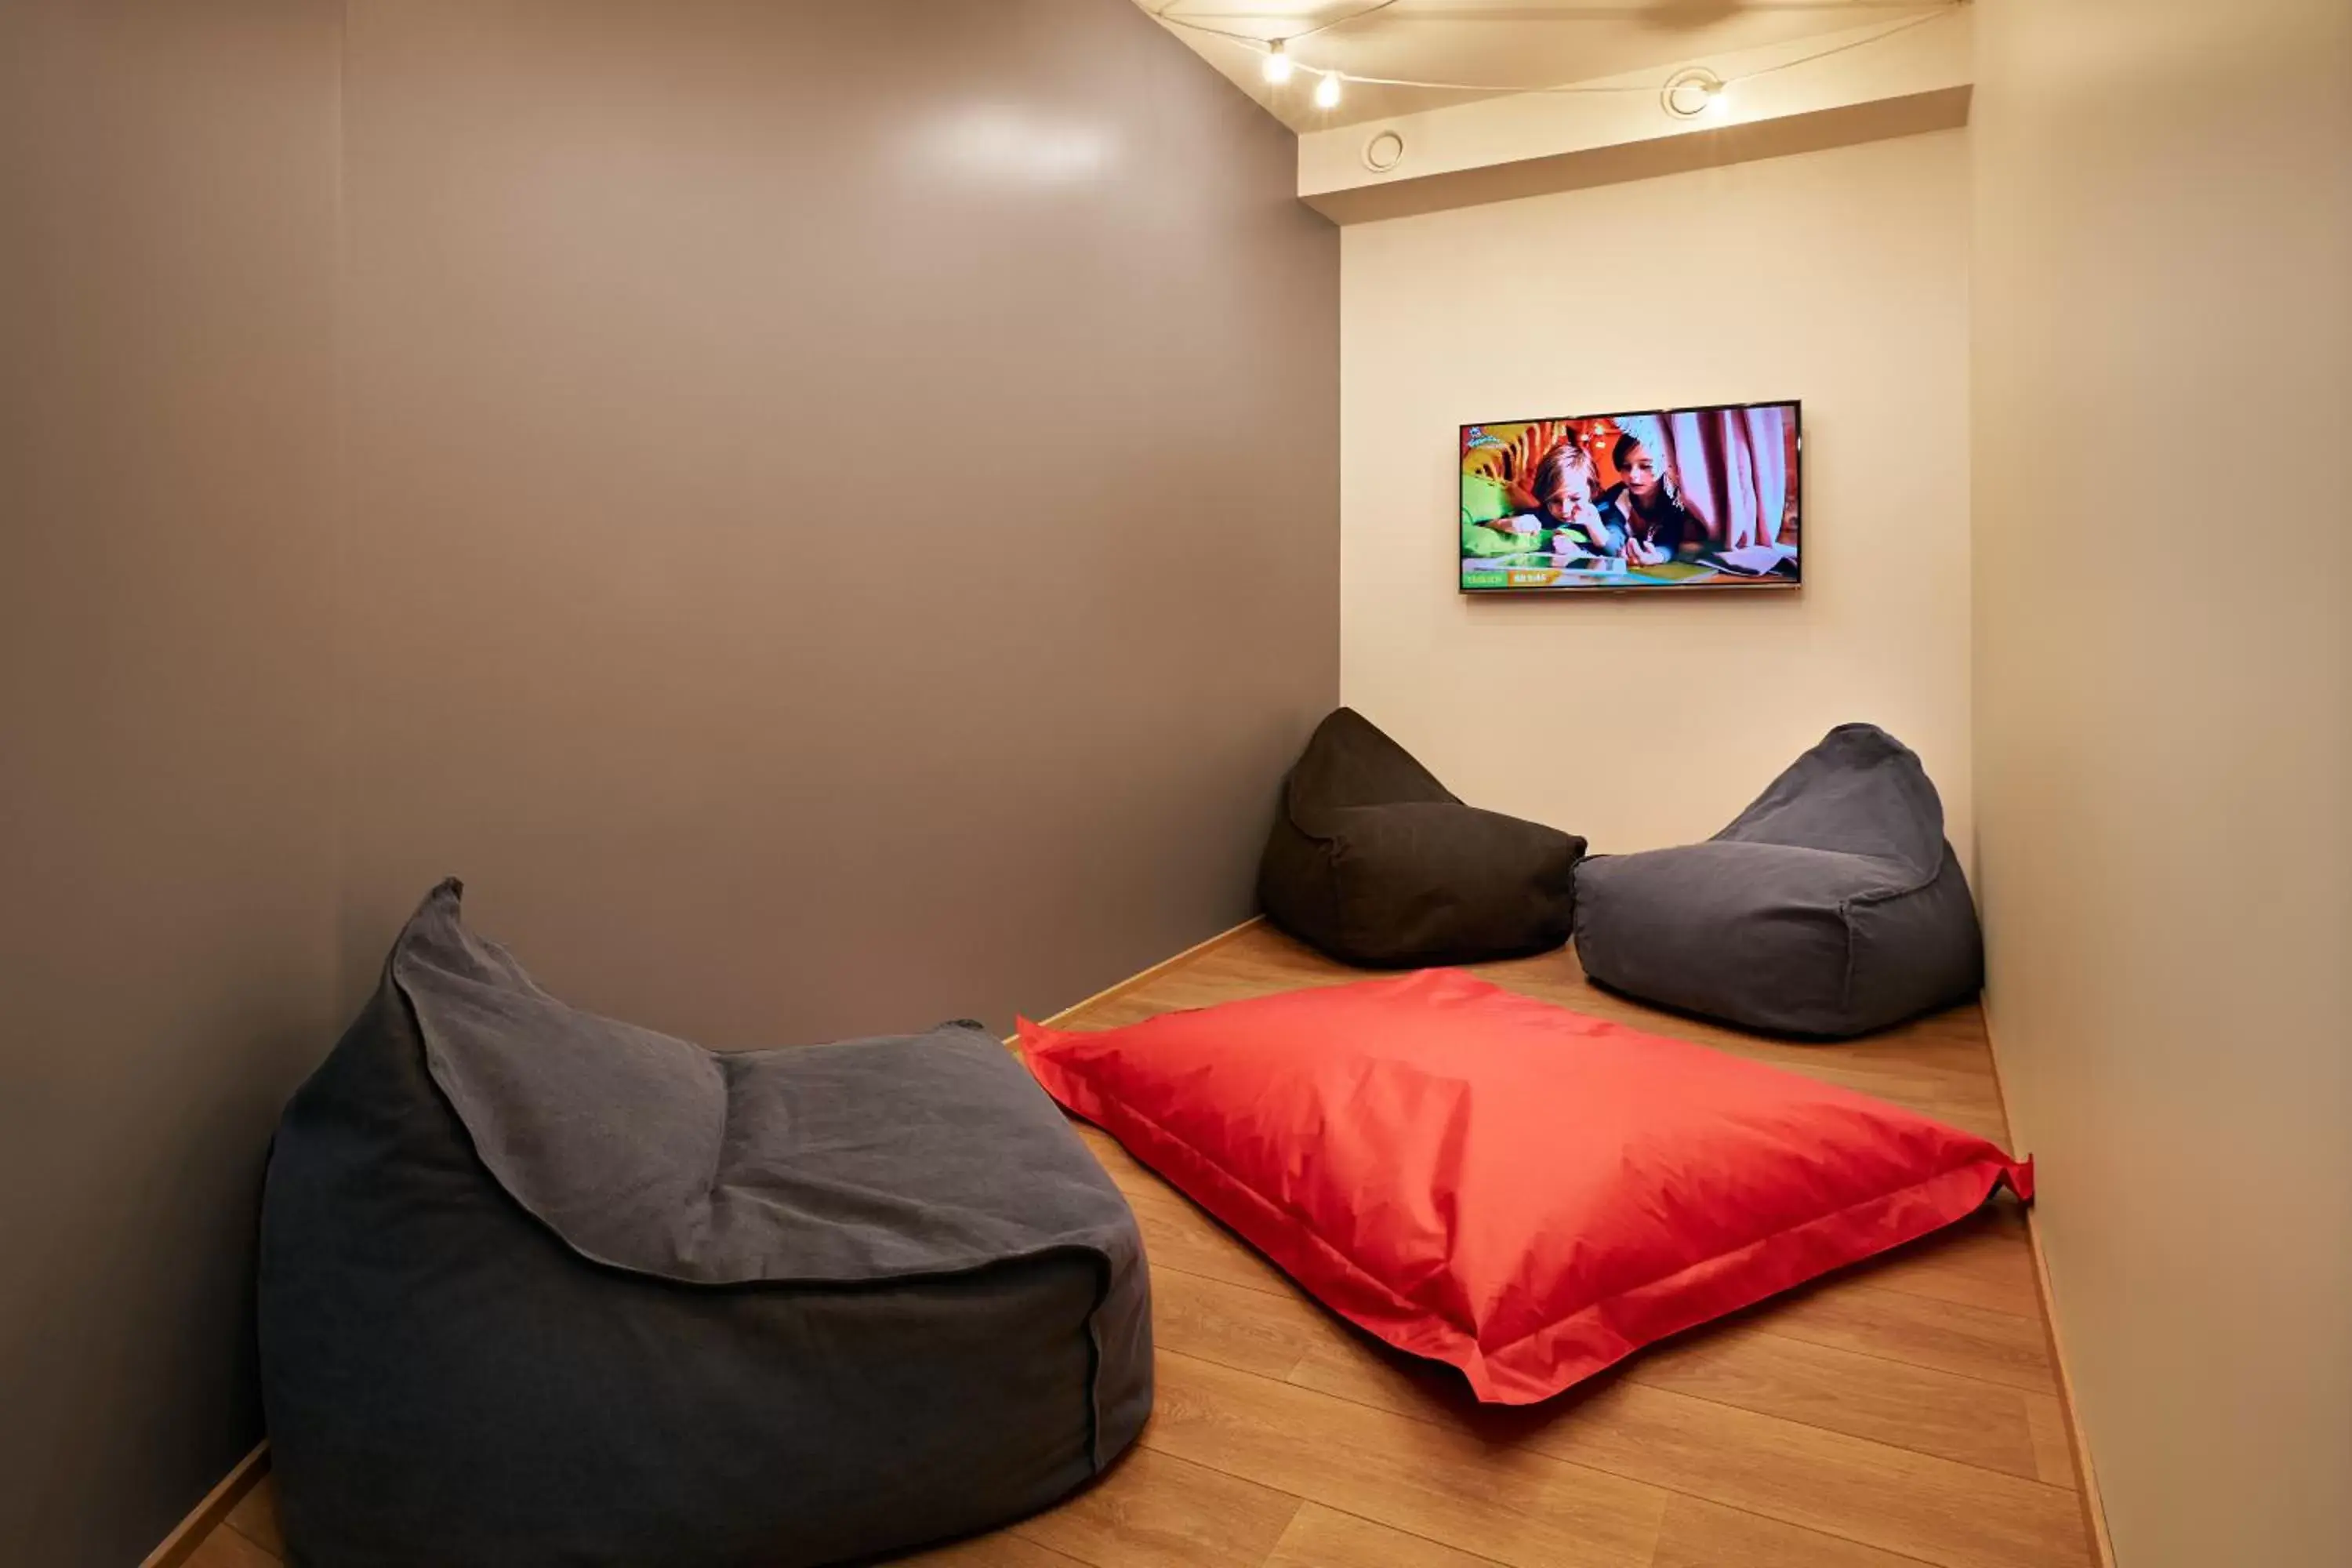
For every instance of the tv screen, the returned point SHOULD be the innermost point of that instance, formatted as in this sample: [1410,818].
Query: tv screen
[1663,497]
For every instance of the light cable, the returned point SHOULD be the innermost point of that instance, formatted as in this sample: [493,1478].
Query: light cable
[1879,37]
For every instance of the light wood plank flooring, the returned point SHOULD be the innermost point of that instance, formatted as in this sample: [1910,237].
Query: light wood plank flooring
[1905,1412]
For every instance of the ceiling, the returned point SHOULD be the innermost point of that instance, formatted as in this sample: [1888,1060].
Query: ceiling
[1498,46]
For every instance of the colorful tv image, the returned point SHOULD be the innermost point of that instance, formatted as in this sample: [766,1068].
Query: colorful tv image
[1669,497]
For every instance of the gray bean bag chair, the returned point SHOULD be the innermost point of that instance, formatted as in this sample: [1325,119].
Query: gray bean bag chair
[538,1288]
[1830,907]
[1376,863]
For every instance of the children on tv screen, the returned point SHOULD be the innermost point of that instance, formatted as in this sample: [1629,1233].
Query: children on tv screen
[1678,498]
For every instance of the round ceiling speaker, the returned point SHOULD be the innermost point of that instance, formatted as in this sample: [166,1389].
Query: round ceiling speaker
[1691,92]
[1385,152]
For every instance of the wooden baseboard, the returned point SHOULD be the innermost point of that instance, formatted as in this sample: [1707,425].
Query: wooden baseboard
[1144,977]
[2086,1481]
[208,1515]
[2095,1511]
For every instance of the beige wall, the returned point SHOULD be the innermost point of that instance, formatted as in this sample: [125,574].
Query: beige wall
[167,886]
[1839,277]
[2163,385]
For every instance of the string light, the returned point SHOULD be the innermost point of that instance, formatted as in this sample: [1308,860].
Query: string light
[1694,92]
[1279,65]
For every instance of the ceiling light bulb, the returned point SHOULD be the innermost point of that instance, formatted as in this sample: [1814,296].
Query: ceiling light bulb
[1277,63]
[1692,92]
[1327,91]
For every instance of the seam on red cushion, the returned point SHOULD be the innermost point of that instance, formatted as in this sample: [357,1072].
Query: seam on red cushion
[1830,1217]
[1478,1361]
[1520,1385]
[2001,1163]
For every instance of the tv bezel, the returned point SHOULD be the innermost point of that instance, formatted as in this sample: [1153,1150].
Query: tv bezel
[1741,585]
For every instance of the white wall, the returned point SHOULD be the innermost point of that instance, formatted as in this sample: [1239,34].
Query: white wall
[2163,385]
[1839,277]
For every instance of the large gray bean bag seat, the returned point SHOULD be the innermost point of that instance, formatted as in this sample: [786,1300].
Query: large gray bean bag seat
[1376,863]
[538,1288]
[1830,907]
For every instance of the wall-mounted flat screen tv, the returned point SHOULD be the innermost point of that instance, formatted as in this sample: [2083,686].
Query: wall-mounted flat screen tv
[1660,498]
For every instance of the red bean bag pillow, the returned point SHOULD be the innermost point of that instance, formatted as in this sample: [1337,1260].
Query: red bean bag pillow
[1521,1191]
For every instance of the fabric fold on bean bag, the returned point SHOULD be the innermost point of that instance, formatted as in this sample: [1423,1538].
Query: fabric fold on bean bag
[539,1287]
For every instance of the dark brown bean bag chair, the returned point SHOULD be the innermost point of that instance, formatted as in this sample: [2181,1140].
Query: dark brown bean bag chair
[1376,863]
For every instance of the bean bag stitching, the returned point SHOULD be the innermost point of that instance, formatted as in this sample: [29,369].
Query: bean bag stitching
[1594,1306]
[1586,1366]
[1844,908]
[1327,842]
[1095,1363]
[1826,1216]
[726,1130]
[1890,895]
[2000,1168]
[1845,979]
[1602,1311]
[1289,813]
[1589,1309]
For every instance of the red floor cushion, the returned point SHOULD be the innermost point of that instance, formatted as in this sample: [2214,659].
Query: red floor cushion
[1521,1191]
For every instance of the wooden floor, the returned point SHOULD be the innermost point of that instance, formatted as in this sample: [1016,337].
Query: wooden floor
[1903,1412]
